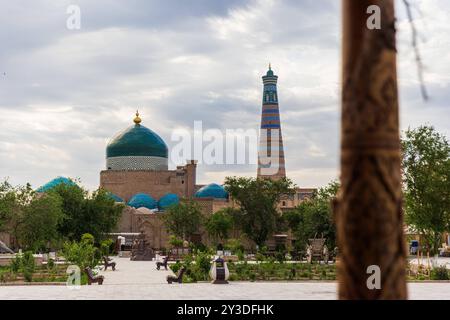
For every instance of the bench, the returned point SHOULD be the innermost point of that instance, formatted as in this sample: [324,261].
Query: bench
[93,279]
[163,263]
[317,250]
[178,278]
[108,263]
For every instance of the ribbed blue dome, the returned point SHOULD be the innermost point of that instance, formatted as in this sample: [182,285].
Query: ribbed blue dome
[142,200]
[55,182]
[212,190]
[168,200]
[116,198]
[137,140]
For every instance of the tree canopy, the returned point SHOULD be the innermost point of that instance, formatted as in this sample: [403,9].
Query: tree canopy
[426,179]
[38,220]
[183,219]
[219,224]
[31,218]
[95,213]
[314,217]
[258,199]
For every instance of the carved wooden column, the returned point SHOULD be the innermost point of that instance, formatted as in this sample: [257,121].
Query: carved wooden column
[369,206]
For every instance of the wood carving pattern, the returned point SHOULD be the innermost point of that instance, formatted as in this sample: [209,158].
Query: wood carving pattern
[368,209]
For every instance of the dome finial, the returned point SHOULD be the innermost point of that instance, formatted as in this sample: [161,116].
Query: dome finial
[270,66]
[137,119]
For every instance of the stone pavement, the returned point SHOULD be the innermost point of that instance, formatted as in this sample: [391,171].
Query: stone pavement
[141,280]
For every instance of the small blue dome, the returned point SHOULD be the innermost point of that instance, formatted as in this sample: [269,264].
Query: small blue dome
[168,200]
[142,200]
[212,190]
[55,182]
[116,198]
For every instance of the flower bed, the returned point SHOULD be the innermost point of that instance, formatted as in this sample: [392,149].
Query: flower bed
[40,274]
[272,271]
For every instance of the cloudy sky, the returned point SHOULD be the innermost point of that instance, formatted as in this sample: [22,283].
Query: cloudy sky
[64,93]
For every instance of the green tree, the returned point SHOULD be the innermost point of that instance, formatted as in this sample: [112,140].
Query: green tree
[7,203]
[314,217]
[29,217]
[183,219]
[83,253]
[426,180]
[219,224]
[101,214]
[175,242]
[73,207]
[40,219]
[13,201]
[96,214]
[258,200]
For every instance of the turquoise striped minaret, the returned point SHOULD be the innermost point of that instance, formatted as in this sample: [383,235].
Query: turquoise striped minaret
[271,154]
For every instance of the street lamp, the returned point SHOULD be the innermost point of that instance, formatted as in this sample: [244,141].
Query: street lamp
[219,271]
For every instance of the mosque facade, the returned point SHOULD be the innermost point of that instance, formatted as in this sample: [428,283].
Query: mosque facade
[137,174]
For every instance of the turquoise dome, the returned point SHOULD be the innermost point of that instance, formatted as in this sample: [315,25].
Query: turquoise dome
[142,200]
[137,140]
[116,198]
[55,182]
[212,190]
[168,200]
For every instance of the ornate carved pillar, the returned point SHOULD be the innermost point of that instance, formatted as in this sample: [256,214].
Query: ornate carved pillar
[368,209]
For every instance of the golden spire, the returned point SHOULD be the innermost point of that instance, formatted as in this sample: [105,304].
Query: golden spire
[137,119]
[270,66]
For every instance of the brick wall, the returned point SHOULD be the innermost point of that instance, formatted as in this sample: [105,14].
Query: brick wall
[125,184]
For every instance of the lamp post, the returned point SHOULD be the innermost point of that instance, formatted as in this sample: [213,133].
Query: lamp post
[219,271]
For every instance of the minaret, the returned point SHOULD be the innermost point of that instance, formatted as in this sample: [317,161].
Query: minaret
[271,153]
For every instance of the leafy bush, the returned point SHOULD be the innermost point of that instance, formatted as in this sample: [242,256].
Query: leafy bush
[260,257]
[197,269]
[3,275]
[175,267]
[187,260]
[28,275]
[280,256]
[51,264]
[105,247]
[277,271]
[87,238]
[198,247]
[24,263]
[175,242]
[83,253]
[440,273]
[203,263]
[235,245]
[28,265]
[240,254]
[16,263]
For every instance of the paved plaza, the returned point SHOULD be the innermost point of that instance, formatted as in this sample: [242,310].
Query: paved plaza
[141,280]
